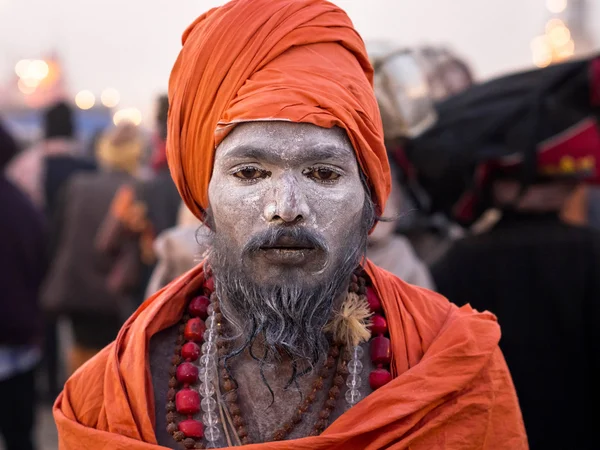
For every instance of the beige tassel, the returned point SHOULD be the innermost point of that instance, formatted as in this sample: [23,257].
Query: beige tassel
[350,325]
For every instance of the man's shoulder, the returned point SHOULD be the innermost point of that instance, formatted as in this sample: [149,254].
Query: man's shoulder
[399,297]
[403,289]
[83,393]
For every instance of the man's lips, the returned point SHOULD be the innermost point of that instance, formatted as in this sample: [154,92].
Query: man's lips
[288,255]
[289,244]
[288,251]
[287,247]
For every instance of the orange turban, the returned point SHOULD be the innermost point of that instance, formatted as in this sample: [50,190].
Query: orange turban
[253,60]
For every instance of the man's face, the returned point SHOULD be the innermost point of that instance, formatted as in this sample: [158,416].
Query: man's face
[286,200]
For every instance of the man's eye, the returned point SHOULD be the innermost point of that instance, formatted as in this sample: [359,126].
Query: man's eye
[250,173]
[322,174]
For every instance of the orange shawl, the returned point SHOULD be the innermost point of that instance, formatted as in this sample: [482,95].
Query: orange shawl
[452,389]
[253,60]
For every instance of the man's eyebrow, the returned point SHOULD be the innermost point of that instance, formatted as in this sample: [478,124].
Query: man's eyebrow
[310,153]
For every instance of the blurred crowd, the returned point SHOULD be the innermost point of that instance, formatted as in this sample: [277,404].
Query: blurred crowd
[492,204]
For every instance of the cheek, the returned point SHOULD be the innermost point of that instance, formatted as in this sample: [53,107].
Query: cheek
[337,211]
[236,209]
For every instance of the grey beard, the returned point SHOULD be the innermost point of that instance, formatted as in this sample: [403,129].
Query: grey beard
[287,318]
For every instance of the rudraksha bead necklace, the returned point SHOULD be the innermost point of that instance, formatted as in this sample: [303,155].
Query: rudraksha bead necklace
[202,324]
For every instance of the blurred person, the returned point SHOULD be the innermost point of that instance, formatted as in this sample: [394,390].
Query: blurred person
[541,277]
[447,74]
[140,211]
[392,251]
[22,267]
[522,145]
[178,249]
[159,193]
[275,143]
[408,82]
[41,171]
[92,144]
[76,284]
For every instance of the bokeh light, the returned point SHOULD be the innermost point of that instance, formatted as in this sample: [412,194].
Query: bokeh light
[554,23]
[30,82]
[541,51]
[25,88]
[35,70]
[567,50]
[555,45]
[110,97]
[38,69]
[85,99]
[21,67]
[559,35]
[132,115]
[556,6]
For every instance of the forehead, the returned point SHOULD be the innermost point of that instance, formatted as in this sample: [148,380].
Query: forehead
[286,141]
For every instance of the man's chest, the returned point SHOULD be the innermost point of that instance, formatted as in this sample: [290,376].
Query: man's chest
[292,411]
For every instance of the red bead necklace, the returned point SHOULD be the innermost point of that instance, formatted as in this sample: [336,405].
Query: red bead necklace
[184,373]
[380,347]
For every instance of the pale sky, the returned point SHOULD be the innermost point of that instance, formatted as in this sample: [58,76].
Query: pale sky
[131,44]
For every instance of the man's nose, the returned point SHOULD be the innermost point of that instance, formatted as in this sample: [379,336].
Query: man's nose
[287,204]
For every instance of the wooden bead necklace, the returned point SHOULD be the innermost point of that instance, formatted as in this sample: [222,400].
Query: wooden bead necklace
[202,324]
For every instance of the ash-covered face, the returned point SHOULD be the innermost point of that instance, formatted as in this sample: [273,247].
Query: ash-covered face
[290,218]
[286,201]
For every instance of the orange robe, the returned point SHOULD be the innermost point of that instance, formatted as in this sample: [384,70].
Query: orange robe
[452,389]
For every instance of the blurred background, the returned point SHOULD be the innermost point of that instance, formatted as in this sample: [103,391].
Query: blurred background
[109,62]
[120,53]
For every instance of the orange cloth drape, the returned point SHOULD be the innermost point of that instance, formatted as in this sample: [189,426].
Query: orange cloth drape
[253,60]
[452,389]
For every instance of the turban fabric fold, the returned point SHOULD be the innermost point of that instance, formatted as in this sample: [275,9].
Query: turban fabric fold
[264,60]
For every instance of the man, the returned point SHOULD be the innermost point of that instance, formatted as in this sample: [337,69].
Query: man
[41,172]
[178,249]
[391,250]
[75,287]
[518,147]
[407,110]
[22,267]
[156,201]
[275,141]
[541,276]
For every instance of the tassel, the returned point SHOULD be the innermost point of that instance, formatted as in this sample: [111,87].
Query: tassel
[351,324]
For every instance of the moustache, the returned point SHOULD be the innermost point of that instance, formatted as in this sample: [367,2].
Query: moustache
[286,237]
